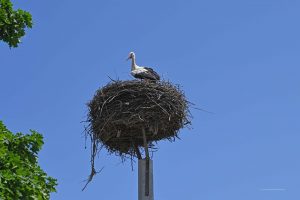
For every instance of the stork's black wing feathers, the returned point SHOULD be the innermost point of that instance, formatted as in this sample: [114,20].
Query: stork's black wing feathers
[145,75]
[153,73]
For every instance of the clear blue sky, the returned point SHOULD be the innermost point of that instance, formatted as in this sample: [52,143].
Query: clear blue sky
[238,59]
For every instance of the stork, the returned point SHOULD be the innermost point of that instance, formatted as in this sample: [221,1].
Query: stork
[146,73]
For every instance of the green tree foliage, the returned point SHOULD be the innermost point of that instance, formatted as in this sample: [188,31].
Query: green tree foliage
[21,178]
[13,23]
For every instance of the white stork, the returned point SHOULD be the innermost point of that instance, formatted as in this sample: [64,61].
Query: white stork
[142,72]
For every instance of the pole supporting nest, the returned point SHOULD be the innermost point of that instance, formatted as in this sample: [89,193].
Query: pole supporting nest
[147,167]
[142,182]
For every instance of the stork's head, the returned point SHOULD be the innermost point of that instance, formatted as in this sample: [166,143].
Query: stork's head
[131,55]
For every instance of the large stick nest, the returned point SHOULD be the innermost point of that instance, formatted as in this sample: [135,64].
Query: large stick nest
[120,111]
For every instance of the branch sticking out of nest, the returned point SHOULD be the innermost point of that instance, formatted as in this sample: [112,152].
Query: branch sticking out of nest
[120,111]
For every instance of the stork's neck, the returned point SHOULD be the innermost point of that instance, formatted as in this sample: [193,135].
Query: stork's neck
[133,64]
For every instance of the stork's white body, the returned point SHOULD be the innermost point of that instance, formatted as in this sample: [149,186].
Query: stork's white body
[138,71]
[142,72]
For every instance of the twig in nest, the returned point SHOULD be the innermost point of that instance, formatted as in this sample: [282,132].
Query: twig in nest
[93,173]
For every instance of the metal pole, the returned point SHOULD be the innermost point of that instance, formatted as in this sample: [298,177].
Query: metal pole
[145,181]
